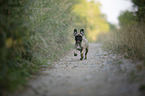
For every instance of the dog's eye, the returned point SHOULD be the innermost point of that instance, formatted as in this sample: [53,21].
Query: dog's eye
[78,38]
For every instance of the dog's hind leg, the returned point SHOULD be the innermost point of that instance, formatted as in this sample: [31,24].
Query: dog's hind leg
[86,53]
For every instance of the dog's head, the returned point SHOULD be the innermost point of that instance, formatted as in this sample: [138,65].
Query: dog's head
[79,36]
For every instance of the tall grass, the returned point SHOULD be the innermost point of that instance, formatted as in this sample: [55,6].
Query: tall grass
[129,40]
[51,28]
[32,33]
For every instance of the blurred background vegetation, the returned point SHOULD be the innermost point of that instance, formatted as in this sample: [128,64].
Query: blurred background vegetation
[34,33]
[88,16]
[129,38]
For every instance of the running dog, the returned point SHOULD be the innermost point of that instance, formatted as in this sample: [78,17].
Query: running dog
[81,44]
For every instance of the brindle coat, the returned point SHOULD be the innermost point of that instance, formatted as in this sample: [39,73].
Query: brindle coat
[81,44]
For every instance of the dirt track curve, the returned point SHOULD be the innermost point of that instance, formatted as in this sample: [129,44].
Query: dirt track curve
[102,74]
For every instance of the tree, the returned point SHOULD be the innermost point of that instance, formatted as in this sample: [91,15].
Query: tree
[126,18]
[89,16]
[141,9]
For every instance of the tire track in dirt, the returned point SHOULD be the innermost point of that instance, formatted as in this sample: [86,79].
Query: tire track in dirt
[102,74]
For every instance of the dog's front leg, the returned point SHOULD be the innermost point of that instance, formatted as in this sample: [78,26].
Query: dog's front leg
[75,50]
[82,54]
[75,53]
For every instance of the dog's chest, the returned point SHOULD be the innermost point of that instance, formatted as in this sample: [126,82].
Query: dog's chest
[78,46]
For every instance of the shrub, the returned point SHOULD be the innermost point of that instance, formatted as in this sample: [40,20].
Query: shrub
[33,32]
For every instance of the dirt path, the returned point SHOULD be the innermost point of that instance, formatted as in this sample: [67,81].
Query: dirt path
[102,74]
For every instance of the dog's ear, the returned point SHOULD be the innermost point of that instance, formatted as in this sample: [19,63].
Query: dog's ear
[75,32]
[82,32]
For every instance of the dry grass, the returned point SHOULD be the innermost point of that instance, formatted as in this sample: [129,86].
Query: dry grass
[129,40]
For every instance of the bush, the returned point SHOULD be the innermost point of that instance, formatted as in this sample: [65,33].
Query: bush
[33,32]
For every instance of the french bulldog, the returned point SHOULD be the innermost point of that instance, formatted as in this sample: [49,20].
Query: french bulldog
[81,44]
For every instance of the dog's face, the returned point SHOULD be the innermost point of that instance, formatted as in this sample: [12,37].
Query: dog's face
[79,36]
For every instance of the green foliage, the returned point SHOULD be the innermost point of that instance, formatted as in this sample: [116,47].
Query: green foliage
[88,16]
[112,26]
[12,43]
[127,18]
[141,9]
[33,33]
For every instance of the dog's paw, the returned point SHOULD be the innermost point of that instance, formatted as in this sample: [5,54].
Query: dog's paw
[75,54]
[81,58]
